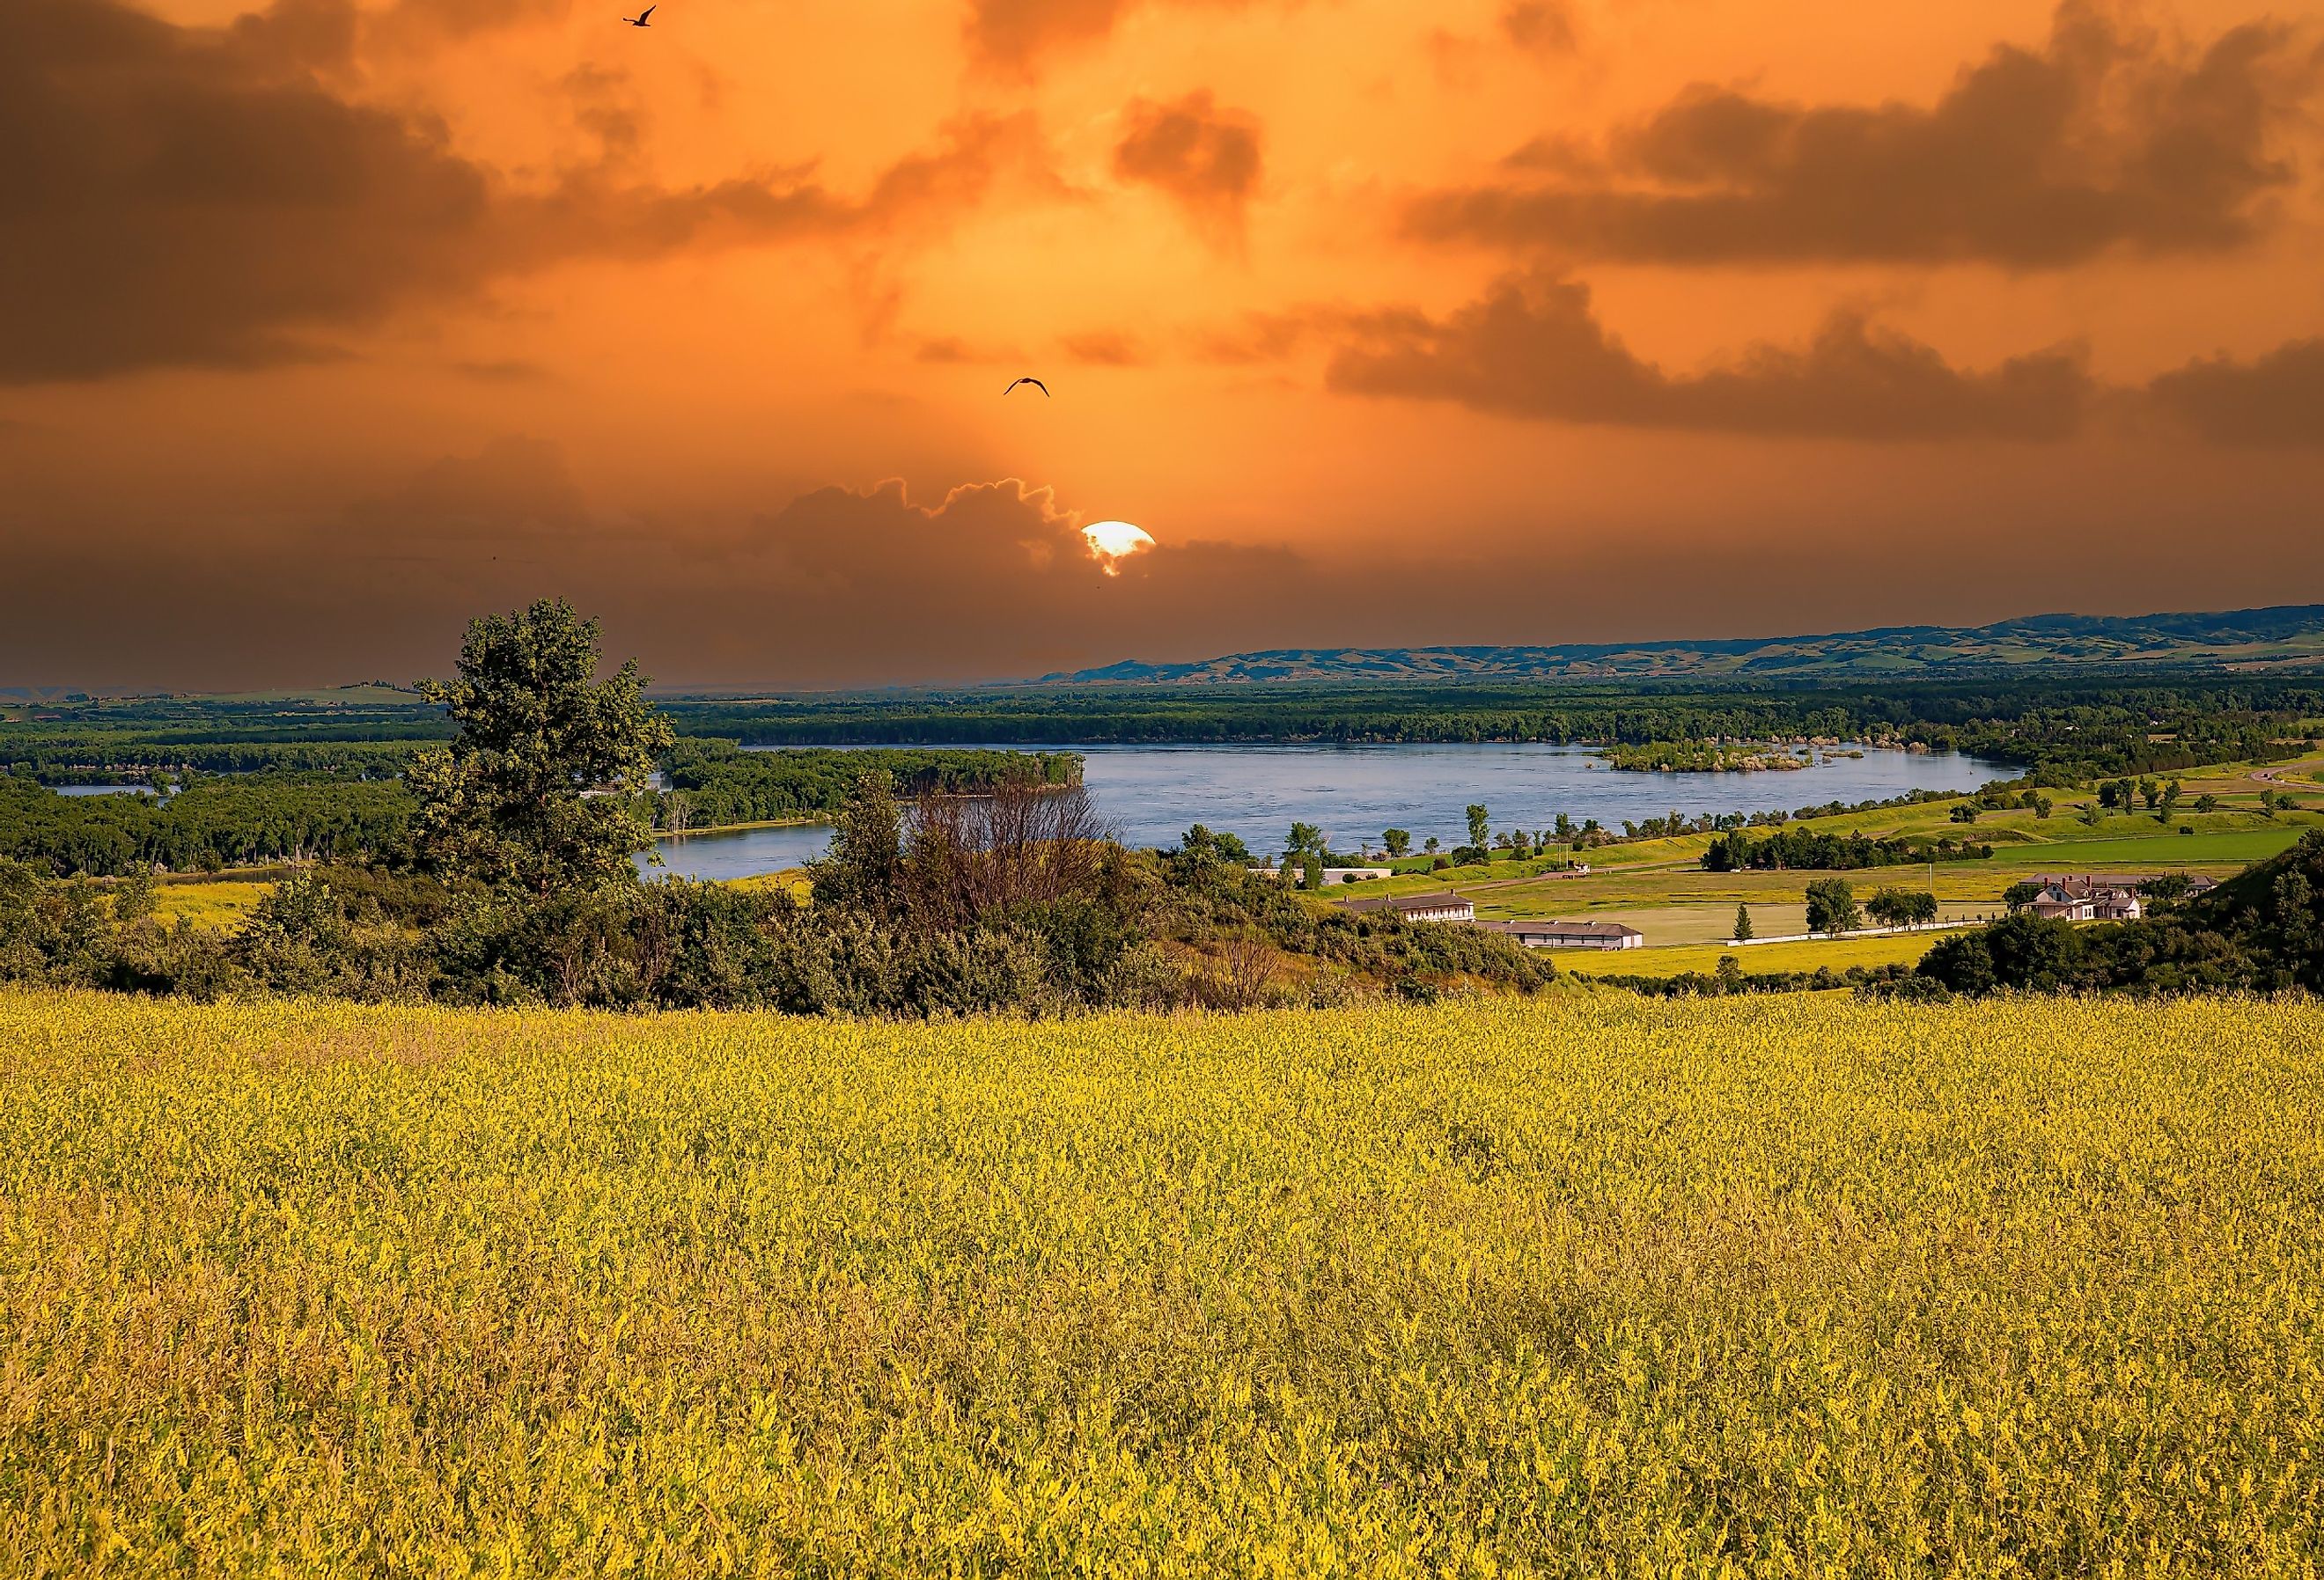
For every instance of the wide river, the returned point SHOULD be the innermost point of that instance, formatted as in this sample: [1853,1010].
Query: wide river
[1150,795]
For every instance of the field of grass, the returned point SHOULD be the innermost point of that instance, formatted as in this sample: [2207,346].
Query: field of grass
[222,905]
[1593,1285]
[1759,959]
[2229,848]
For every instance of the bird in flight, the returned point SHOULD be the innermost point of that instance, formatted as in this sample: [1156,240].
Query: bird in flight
[640,19]
[1036,384]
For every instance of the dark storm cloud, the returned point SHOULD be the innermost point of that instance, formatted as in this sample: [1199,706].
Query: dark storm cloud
[1206,159]
[197,197]
[1532,348]
[2034,159]
[2276,400]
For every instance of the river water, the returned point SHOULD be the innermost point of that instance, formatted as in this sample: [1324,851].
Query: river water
[1150,795]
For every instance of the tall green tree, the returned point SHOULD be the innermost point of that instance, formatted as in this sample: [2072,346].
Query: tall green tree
[862,873]
[1832,907]
[1398,842]
[515,802]
[1480,828]
[1743,929]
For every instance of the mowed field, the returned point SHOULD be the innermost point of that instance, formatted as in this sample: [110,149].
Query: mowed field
[1590,1285]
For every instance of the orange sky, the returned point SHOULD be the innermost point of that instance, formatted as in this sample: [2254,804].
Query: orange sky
[325,326]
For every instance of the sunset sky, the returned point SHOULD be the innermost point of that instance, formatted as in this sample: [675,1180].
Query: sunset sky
[326,326]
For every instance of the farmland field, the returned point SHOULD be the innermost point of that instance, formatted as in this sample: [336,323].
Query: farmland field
[2236,847]
[1840,953]
[1589,1285]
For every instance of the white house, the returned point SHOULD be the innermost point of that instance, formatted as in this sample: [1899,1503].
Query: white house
[2087,900]
[1541,934]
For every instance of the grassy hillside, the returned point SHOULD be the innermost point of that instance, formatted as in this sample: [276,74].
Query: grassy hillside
[1796,1286]
[2243,638]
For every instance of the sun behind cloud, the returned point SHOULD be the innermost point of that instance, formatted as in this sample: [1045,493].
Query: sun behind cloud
[1114,542]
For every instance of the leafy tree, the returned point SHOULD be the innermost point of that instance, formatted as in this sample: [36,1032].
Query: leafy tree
[1480,828]
[2018,896]
[132,897]
[1965,812]
[1743,929]
[1832,907]
[1902,907]
[511,802]
[1310,872]
[1304,838]
[2043,807]
[2171,795]
[2206,803]
[1398,842]
[2167,889]
[862,873]
[1431,845]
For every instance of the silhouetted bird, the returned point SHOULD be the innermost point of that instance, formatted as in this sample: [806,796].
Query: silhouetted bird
[1036,384]
[640,19]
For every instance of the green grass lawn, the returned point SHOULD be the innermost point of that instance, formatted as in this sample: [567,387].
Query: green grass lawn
[2226,847]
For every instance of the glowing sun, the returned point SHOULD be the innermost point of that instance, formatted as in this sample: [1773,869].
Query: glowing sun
[1112,541]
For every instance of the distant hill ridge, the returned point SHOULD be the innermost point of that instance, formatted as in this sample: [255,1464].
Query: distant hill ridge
[2288,635]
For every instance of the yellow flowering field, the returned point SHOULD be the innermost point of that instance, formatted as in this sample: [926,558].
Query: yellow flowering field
[1590,1285]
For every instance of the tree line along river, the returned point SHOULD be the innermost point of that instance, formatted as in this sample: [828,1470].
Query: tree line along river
[1150,795]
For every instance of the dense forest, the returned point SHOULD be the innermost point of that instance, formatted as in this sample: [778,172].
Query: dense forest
[240,821]
[2057,732]
[720,784]
[1802,850]
[215,821]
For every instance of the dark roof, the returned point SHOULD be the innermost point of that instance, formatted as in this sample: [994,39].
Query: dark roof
[1402,902]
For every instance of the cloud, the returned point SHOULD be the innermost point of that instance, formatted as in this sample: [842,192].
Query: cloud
[1254,337]
[507,370]
[1532,348]
[190,197]
[515,488]
[2103,139]
[1016,34]
[1540,27]
[995,580]
[1205,159]
[2276,402]
[1105,348]
[1017,30]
